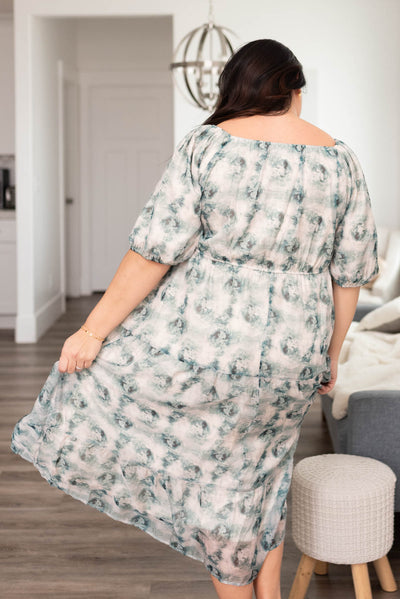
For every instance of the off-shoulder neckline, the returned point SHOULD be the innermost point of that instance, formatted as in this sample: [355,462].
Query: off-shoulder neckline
[273,143]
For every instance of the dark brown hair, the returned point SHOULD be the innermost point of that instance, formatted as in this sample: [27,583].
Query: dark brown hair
[258,78]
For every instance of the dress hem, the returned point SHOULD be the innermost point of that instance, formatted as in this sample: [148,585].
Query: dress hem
[23,453]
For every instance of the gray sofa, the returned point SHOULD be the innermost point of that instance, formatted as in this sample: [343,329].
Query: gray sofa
[372,425]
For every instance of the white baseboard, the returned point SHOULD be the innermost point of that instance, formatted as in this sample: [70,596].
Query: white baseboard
[30,327]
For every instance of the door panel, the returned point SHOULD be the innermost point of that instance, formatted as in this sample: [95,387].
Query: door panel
[131,133]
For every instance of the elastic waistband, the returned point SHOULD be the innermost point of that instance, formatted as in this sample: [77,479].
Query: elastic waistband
[211,258]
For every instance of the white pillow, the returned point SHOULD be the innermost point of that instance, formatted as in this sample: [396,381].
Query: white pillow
[386,318]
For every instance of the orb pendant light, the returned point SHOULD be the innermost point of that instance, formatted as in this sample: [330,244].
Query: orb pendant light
[200,62]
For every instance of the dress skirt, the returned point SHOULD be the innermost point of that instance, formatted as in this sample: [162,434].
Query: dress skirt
[200,460]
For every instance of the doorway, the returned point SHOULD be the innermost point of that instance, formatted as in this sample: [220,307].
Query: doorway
[117,148]
[102,112]
[127,128]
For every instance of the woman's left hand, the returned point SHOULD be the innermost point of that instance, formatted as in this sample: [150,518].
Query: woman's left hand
[328,386]
[78,352]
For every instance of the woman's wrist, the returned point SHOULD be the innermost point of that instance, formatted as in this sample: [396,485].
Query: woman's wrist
[91,332]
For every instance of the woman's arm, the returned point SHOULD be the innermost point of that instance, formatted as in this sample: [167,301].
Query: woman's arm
[134,279]
[345,301]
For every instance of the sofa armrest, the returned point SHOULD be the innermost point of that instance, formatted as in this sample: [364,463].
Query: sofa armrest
[373,428]
[374,419]
[362,309]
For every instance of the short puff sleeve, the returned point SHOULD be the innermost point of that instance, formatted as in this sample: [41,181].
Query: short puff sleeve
[354,259]
[168,228]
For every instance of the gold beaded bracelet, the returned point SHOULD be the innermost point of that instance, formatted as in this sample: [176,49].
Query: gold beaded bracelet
[83,328]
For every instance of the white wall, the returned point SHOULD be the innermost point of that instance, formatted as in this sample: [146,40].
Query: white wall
[123,43]
[7,121]
[6,6]
[351,46]
[52,39]
[37,173]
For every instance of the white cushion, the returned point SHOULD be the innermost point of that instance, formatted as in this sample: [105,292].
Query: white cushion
[385,318]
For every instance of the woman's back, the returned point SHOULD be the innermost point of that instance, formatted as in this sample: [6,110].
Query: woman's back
[282,198]
[261,227]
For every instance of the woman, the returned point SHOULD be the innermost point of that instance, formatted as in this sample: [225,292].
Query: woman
[221,325]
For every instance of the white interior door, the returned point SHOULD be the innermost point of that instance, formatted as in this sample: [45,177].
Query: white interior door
[130,139]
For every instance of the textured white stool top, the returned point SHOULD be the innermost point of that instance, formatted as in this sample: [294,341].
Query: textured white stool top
[343,507]
[340,474]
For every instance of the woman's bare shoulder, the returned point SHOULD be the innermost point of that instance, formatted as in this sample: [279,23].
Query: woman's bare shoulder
[315,135]
[278,129]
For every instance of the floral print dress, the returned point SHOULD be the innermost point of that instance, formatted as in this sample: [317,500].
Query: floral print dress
[186,424]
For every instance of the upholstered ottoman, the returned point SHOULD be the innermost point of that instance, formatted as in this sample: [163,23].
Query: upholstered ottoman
[343,513]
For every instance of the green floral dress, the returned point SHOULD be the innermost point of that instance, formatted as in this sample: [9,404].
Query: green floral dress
[187,422]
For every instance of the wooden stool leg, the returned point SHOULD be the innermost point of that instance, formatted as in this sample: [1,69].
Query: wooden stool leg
[321,567]
[362,585]
[385,574]
[302,578]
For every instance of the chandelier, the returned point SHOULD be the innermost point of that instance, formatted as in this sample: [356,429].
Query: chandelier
[201,62]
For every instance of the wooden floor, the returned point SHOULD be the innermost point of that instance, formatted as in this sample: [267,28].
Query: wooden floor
[52,545]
